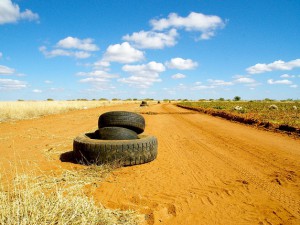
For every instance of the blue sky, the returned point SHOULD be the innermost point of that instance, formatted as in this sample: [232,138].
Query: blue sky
[149,49]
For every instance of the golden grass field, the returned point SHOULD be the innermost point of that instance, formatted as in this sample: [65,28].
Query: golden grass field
[33,109]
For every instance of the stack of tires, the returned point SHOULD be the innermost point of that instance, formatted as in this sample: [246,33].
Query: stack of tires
[118,139]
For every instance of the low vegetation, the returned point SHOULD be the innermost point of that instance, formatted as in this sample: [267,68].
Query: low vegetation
[58,199]
[32,109]
[266,112]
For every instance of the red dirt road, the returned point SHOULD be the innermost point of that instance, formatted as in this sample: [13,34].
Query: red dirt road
[208,170]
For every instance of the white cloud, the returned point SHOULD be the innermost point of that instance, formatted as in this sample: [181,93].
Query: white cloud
[94,80]
[143,76]
[4,70]
[219,82]
[246,80]
[37,91]
[206,24]
[75,43]
[294,86]
[276,65]
[203,87]
[1,55]
[98,83]
[10,13]
[122,53]
[287,76]
[181,64]
[271,81]
[71,47]
[9,84]
[178,76]
[102,64]
[98,73]
[145,68]
[48,82]
[152,40]
[62,52]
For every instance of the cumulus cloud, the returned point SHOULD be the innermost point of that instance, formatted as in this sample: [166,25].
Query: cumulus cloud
[4,70]
[123,53]
[75,43]
[271,81]
[294,86]
[102,64]
[206,24]
[287,76]
[98,73]
[178,76]
[181,64]
[276,65]
[61,52]
[98,83]
[10,84]
[246,80]
[71,47]
[152,39]
[202,87]
[10,13]
[98,79]
[143,76]
[219,82]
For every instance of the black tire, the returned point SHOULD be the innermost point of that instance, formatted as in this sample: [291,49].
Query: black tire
[123,152]
[129,120]
[116,133]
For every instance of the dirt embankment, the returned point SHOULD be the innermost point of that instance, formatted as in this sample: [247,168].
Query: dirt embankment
[284,128]
[208,170]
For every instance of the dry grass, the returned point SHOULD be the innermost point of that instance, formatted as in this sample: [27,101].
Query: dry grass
[58,199]
[33,109]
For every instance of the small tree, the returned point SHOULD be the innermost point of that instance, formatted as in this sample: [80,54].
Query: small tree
[237,98]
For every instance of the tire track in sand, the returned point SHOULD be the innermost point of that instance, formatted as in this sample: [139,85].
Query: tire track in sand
[290,201]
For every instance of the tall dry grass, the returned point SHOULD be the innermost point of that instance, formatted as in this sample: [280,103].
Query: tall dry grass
[33,109]
[60,199]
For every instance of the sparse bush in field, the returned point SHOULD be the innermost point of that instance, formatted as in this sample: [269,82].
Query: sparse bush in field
[218,107]
[269,100]
[237,98]
[50,99]
[295,107]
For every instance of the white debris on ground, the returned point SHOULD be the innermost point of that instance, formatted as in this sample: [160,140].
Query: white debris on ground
[273,107]
[238,108]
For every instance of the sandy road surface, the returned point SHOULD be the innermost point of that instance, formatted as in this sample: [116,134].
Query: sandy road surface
[208,170]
